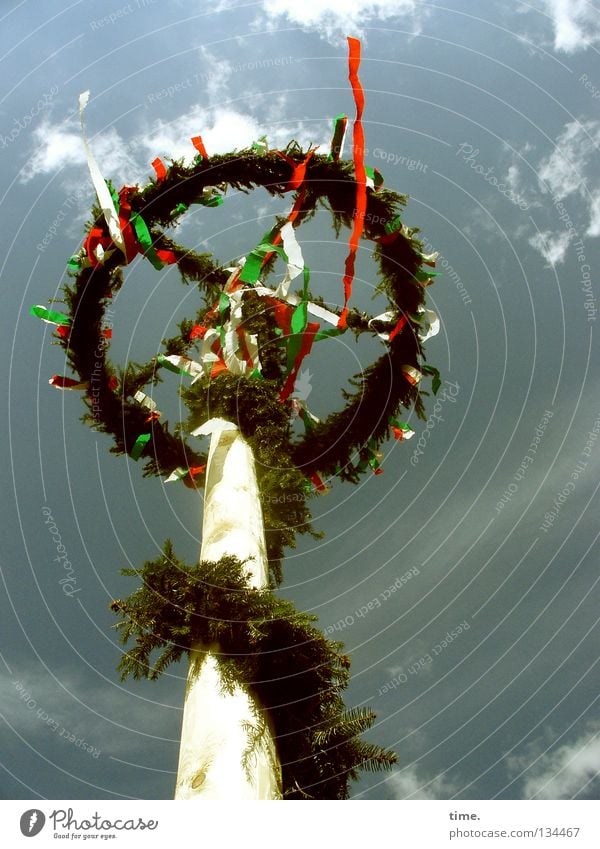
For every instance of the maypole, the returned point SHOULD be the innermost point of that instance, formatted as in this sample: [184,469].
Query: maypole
[227,749]
[263,715]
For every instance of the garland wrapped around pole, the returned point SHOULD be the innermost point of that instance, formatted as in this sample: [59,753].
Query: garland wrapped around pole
[240,359]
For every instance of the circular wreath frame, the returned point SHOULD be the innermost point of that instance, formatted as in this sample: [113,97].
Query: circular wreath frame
[382,388]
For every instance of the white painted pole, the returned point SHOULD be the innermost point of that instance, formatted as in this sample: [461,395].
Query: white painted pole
[214,734]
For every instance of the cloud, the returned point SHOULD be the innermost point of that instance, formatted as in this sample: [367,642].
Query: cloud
[406,784]
[59,146]
[569,171]
[570,166]
[334,19]
[552,246]
[568,772]
[575,22]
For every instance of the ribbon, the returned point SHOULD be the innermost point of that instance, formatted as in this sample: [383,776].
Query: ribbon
[317,481]
[139,445]
[149,403]
[181,474]
[216,425]
[60,382]
[360,206]
[430,325]
[429,259]
[401,322]
[49,316]
[261,146]
[298,169]
[423,276]
[374,178]
[180,365]
[401,430]
[340,125]
[159,168]
[102,191]
[199,145]
[412,374]
[436,381]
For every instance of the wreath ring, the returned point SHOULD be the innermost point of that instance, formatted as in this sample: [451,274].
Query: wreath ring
[344,444]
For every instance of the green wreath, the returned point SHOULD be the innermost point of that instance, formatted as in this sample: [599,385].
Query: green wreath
[346,443]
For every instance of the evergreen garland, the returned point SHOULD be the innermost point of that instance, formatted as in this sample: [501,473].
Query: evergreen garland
[330,447]
[179,607]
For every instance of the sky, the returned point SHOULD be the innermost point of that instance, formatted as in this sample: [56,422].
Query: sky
[463,581]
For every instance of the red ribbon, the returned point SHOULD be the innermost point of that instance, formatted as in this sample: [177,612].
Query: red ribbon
[198,331]
[358,148]
[318,483]
[308,337]
[94,238]
[161,171]
[397,328]
[63,382]
[193,471]
[199,145]
[298,169]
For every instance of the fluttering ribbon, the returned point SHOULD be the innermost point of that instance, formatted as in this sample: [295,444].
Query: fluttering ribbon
[400,430]
[186,475]
[318,483]
[50,316]
[215,425]
[102,191]
[139,445]
[412,374]
[159,168]
[340,125]
[199,145]
[430,325]
[261,145]
[149,403]
[180,365]
[358,150]
[60,382]
[298,168]
[374,178]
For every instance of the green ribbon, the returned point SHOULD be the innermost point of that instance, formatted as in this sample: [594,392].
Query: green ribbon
[436,381]
[163,361]
[145,239]
[139,445]
[253,265]
[423,276]
[328,332]
[337,138]
[375,175]
[50,315]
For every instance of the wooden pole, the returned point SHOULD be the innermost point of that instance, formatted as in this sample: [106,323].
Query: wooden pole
[219,725]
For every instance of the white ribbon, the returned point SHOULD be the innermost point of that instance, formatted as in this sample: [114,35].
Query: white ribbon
[104,196]
[215,425]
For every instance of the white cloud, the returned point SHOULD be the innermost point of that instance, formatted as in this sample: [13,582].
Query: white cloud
[567,772]
[570,172]
[59,146]
[406,784]
[552,246]
[594,225]
[576,24]
[569,167]
[334,19]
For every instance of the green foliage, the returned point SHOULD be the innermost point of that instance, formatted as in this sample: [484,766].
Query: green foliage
[291,669]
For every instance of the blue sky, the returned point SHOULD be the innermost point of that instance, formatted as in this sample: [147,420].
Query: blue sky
[482,666]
